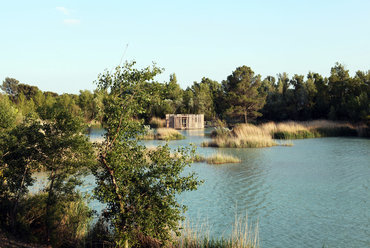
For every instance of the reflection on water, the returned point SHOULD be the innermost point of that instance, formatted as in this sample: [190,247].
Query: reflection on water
[312,194]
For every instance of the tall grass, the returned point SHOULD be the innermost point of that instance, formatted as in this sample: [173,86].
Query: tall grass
[69,218]
[309,129]
[162,134]
[242,136]
[218,158]
[243,236]
[251,136]
[168,134]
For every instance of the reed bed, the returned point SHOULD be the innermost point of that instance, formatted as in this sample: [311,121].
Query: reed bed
[162,134]
[168,134]
[218,158]
[156,122]
[251,136]
[243,236]
[309,129]
[242,136]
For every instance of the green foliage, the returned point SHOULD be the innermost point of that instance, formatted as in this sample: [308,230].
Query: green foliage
[19,155]
[8,113]
[71,219]
[205,97]
[56,144]
[339,97]
[10,86]
[139,188]
[242,93]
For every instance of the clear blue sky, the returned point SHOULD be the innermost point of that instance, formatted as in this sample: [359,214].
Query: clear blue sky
[62,46]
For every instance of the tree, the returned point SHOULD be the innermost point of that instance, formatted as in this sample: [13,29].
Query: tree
[173,92]
[66,154]
[138,186]
[56,144]
[19,153]
[203,100]
[28,91]
[10,87]
[8,113]
[207,98]
[188,105]
[242,93]
[87,104]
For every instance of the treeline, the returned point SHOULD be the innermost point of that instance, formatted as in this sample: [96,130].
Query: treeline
[241,97]
[30,100]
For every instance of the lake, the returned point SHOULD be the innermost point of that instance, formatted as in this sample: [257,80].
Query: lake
[313,194]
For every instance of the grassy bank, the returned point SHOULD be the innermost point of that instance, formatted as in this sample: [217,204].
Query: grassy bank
[251,136]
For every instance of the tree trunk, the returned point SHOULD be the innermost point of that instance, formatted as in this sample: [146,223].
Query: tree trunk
[245,117]
[48,205]
[17,198]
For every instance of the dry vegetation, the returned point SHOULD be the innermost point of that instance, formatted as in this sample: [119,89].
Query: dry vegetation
[251,136]
[243,236]
[162,134]
[168,134]
[242,136]
[218,158]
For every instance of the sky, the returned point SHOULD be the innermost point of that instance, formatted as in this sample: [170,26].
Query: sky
[63,45]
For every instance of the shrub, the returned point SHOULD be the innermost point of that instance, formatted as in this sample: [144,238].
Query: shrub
[70,218]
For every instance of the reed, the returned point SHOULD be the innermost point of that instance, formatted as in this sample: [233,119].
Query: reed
[162,134]
[242,136]
[311,129]
[156,122]
[149,135]
[218,158]
[194,236]
[251,136]
[168,134]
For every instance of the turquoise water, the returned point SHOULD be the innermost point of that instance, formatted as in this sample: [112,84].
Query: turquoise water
[312,194]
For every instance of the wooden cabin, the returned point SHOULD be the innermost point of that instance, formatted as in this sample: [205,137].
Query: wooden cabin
[185,121]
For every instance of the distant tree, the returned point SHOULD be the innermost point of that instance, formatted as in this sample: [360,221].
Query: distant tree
[203,100]
[242,93]
[10,87]
[299,101]
[173,92]
[311,96]
[87,105]
[339,81]
[27,90]
[188,105]
[321,100]
[8,113]
[283,83]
